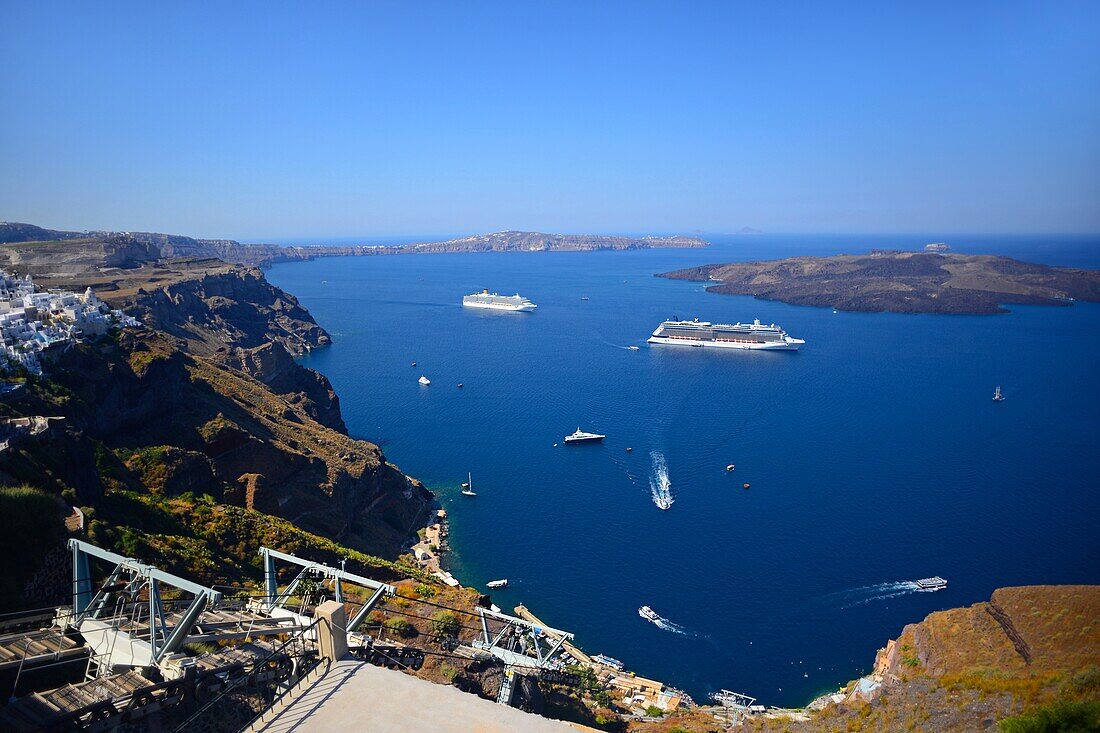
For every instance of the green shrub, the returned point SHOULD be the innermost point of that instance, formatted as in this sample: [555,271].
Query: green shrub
[399,627]
[425,591]
[31,525]
[654,712]
[445,623]
[1058,717]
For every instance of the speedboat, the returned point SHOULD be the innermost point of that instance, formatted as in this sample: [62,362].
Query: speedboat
[997,396]
[648,614]
[632,348]
[424,381]
[931,584]
[730,467]
[582,437]
[502,583]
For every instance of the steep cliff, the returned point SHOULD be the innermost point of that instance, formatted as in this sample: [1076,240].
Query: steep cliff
[1028,650]
[144,416]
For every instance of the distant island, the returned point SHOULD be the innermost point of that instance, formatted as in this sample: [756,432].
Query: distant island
[33,246]
[901,282]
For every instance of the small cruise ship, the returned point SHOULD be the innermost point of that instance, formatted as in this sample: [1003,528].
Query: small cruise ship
[648,614]
[582,437]
[495,301]
[933,583]
[755,335]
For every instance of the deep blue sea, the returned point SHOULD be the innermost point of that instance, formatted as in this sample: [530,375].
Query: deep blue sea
[875,455]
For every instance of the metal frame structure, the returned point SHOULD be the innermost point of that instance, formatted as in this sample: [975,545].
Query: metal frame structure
[274,599]
[508,644]
[130,576]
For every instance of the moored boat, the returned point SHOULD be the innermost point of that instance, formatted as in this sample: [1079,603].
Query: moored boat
[495,301]
[582,437]
[502,583]
[755,335]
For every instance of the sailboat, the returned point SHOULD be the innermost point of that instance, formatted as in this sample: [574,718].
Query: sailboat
[468,486]
[997,396]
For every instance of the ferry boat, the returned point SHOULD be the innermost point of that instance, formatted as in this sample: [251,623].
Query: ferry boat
[933,583]
[425,381]
[495,301]
[755,335]
[502,583]
[648,614]
[468,486]
[582,437]
[608,662]
[997,396]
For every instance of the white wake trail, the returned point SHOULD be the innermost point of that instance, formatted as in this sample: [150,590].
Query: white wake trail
[660,487]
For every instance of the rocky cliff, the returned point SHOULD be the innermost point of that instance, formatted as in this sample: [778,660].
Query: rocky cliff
[1032,650]
[47,251]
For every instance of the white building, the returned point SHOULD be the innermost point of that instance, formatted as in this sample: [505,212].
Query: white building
[33,321]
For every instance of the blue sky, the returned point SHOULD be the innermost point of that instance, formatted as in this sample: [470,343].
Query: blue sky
[326,119]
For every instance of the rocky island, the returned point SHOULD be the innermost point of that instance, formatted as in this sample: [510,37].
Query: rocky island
[901,282]
[30,247]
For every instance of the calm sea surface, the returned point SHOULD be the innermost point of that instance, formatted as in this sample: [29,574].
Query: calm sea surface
[875,455]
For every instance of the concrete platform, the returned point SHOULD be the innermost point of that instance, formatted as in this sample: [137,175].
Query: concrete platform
[360,697]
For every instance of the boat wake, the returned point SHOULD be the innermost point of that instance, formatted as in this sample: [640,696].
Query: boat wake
[879,592]
[665,625]
[660,487]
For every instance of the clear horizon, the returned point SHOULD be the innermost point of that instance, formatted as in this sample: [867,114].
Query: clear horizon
[256,124]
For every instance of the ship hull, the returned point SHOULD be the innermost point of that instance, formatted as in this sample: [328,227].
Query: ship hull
[788,345]
[525,308]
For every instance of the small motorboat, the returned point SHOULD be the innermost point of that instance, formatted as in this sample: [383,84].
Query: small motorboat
[629,450]
[997,396]
[584,297]
[744,486]
[460,385]
[730,467]
[502,583]
[424,381]
[633,348]
[468,486]
[414,363]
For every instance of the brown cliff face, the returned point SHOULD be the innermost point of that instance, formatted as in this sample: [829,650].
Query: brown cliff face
[236,308]
[174,422]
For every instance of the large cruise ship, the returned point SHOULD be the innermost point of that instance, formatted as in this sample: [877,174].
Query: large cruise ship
[755,335]
[496,301]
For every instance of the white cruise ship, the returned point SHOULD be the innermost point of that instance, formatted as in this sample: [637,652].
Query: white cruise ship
[755,335]
[496,301]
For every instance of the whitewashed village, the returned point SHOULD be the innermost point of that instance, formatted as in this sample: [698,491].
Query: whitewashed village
[33,321]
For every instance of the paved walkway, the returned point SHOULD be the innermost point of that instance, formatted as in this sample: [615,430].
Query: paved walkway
[360,697]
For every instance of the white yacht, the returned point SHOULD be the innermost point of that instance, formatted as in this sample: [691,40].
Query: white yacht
[582,437]
[424,380]
[502,583]
[648,614]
